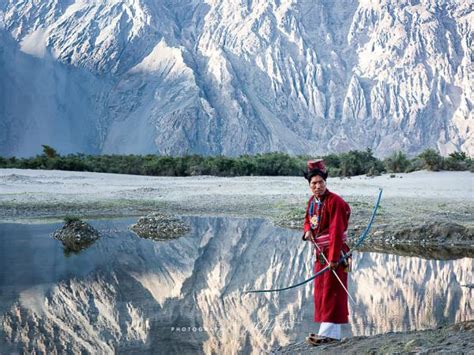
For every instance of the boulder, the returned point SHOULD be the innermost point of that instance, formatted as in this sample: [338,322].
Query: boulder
[76,235]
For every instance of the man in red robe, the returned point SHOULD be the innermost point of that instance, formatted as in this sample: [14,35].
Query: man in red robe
[325,226]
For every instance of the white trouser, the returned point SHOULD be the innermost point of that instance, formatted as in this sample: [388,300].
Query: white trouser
[330,330]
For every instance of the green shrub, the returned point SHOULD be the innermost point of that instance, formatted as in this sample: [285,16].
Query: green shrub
[431,160]
[458,156]
[346,164]
[397,163]
[358,162]
[49,152]
[458,161]
[70,219]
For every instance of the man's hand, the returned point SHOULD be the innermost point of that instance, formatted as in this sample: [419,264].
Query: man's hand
[333,265]
[307,235]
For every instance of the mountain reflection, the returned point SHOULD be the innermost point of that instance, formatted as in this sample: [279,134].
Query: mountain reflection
[126,294]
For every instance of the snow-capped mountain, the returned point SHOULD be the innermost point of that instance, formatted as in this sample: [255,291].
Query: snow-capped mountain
[231,77]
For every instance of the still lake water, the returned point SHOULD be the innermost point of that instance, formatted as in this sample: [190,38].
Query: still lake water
[125,294]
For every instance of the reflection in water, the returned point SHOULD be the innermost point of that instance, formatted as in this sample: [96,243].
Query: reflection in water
[127,294]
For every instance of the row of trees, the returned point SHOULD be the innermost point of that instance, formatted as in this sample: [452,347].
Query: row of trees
[344,164]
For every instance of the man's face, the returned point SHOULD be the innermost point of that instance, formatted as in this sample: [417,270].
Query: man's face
[317,186]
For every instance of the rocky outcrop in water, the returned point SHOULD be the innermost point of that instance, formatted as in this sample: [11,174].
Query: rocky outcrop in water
[159,226]
[438,252]
[439,233]
[76,235]
[438,240]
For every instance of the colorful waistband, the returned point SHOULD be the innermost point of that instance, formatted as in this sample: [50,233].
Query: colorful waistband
[323,240]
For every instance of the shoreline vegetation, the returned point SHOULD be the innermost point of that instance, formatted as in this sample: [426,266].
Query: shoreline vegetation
[345,164]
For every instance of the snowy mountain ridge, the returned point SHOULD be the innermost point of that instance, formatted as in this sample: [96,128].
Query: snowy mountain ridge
[233,77]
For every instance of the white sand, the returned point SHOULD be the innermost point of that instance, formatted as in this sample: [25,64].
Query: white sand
[44,184]
[30,187]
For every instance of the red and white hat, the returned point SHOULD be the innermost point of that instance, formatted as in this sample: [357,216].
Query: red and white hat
[315,167]
[316,164]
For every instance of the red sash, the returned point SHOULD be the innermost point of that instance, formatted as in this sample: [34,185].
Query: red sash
[323,240]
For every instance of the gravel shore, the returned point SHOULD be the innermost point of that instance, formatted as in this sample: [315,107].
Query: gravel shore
[452,339]
[413,206]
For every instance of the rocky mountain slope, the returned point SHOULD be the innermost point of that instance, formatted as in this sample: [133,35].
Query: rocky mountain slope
[232,77]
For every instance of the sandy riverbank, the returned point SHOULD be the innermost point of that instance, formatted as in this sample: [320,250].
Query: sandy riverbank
[410,201]
[447,193]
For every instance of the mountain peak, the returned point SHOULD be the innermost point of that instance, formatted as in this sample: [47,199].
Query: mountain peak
[220,77]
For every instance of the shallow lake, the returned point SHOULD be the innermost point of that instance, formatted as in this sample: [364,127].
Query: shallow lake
[125,294]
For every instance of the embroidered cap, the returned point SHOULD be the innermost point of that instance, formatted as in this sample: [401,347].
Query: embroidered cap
[315,167]
[316,164]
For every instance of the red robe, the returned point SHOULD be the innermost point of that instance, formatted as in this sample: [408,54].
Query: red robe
[330,299]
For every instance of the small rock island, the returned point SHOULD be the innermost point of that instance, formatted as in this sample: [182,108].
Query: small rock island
[76,234]
[160,226]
